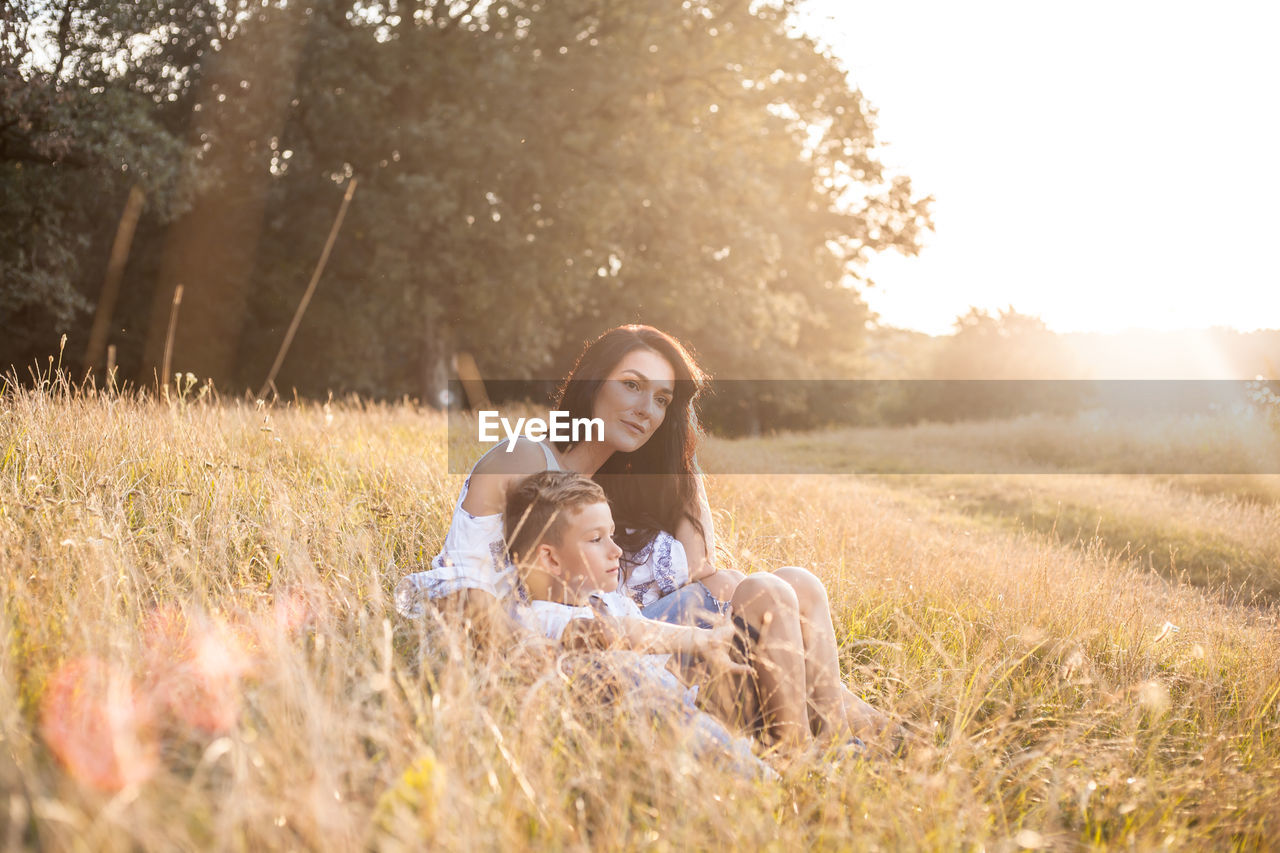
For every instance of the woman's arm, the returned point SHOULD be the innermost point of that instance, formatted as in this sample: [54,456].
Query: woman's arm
[699,548]
[700,551]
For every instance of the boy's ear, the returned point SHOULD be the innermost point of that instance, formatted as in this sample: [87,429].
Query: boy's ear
[546,558]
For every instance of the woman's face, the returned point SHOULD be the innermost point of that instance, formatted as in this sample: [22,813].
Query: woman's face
[633,400]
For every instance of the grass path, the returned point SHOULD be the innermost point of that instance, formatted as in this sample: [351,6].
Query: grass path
[1218,531]
[1216,541]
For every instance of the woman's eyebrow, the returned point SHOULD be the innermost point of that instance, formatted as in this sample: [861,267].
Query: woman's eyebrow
[666,388]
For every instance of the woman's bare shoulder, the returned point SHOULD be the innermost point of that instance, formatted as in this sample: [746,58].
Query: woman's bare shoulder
[493,475]
[522,460]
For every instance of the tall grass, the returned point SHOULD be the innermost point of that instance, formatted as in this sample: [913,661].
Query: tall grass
[199,650]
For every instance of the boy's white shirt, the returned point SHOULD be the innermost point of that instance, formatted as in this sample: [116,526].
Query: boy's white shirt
[550,618]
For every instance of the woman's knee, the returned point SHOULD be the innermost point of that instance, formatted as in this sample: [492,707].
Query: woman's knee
[765,591]
[810,591]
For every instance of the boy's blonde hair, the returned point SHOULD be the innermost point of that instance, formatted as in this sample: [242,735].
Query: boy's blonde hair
[537,507]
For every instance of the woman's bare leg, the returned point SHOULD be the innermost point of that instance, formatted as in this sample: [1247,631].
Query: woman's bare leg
[769,605]
[865,721]
[826,691]
[836,709]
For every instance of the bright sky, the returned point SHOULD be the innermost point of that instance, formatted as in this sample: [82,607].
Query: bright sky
[1104,165]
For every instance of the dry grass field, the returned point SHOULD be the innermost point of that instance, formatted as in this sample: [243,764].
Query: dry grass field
[199,651]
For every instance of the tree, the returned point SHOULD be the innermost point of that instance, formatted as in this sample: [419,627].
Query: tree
[530,173]
[563,167]
[997,366]
[87,92]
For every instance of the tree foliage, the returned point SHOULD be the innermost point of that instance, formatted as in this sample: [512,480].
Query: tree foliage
[530,173]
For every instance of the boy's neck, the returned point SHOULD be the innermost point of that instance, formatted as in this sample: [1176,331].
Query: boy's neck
[545,587]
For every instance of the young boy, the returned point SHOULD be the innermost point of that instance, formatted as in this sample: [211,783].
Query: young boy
[559,530]
[561,542]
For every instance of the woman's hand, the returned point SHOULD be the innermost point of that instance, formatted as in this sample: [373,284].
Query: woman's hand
[714,647]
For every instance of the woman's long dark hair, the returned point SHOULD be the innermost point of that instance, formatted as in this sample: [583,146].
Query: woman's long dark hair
[654,487]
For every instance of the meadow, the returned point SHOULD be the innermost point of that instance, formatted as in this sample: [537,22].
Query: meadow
[199,650]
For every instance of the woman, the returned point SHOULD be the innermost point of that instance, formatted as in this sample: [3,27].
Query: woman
[630,378]
[643,385]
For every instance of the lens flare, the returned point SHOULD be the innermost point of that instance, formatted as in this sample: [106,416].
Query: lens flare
[97,725]
[292,612]
[195,670]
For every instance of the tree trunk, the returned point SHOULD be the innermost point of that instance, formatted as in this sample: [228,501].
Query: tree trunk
[436,362]
[101,329]
[212,249]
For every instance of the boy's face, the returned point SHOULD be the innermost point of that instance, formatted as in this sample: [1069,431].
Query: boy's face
[587,556]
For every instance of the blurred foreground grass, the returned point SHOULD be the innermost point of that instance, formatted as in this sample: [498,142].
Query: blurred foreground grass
[199,650]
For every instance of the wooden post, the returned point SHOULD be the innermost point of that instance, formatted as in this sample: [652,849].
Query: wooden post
[472,383]
[111,281]
[110,383]
[168,340]
[311,288]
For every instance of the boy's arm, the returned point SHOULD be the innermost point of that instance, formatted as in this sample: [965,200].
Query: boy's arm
[711,645]
[637,633]
[649,636]
[654,637]
[603,630]
[582,634]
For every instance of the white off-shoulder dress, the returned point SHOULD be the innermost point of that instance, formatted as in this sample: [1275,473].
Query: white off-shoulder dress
[474,556]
